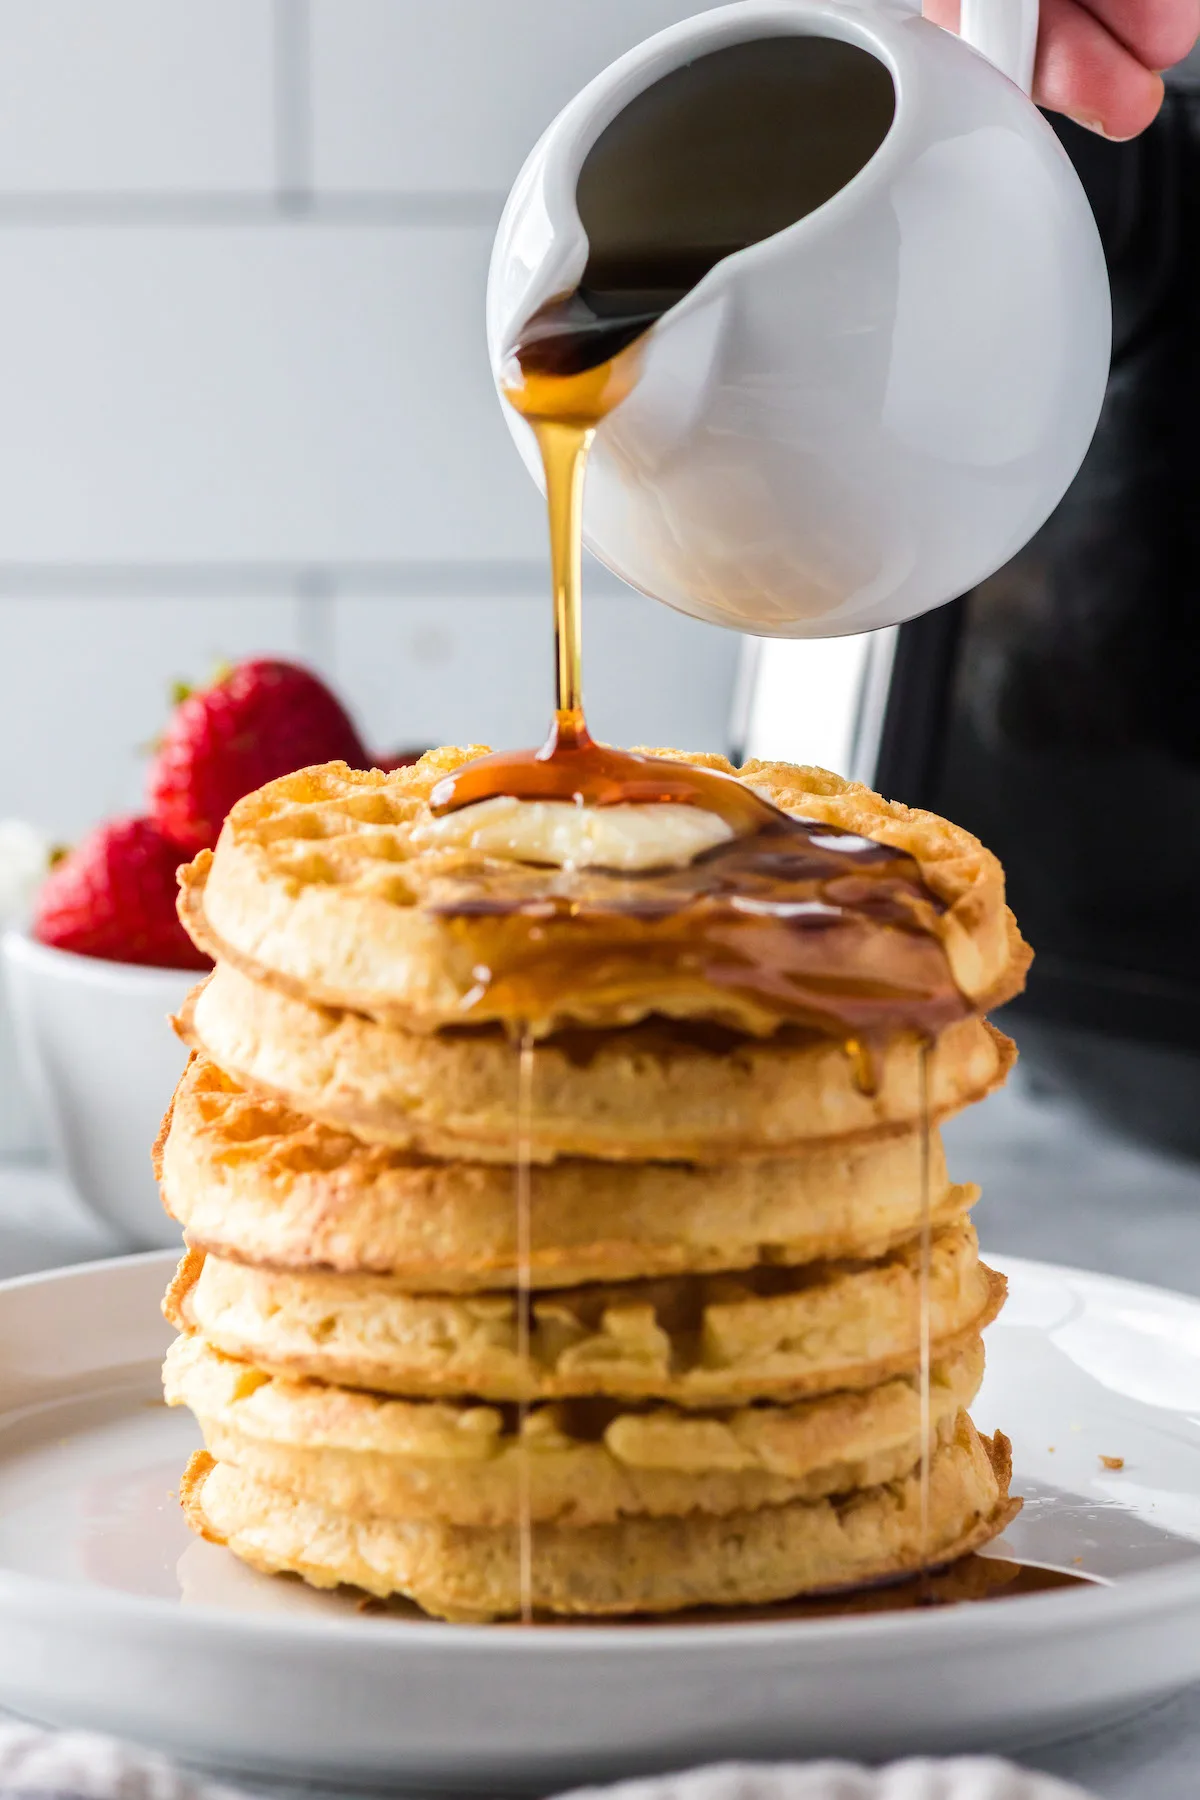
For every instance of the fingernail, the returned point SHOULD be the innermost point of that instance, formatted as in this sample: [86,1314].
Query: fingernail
[1110,137]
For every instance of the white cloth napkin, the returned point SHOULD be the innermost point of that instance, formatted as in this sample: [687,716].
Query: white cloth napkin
[76,1765]
[960,1778]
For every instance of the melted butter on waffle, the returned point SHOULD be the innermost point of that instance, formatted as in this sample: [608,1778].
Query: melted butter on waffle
[558,834]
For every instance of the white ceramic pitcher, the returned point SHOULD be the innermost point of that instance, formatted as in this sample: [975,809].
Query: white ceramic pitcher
[799,467]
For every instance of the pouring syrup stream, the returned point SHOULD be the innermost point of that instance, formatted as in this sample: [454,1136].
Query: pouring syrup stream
[553,383]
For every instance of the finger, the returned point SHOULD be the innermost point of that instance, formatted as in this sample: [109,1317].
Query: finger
[1158,32]
[1085,72]
[1082,68]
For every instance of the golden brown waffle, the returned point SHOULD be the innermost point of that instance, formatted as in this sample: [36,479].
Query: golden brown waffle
[320,885]
[700,1340]
[637,1565]
[654,1092]
[255,1182]
[589,1461]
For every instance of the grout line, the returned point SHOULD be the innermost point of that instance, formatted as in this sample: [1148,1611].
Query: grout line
[393,581]
[293,106]
[290,207]
[315,595]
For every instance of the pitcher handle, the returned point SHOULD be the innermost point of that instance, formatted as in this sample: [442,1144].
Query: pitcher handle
[1005,31]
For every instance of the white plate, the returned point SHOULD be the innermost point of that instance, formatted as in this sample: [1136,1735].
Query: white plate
[111,1616]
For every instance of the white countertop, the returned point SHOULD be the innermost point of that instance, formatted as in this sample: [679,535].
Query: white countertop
[1054,1187]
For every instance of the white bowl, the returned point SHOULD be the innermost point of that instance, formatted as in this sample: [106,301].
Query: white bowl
[101,1061]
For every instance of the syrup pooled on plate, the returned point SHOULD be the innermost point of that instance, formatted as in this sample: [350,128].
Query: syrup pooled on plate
[972,1581]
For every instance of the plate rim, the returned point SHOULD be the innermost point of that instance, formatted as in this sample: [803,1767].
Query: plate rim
[1157,1593]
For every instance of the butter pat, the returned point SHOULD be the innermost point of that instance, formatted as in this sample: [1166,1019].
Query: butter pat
[566,836]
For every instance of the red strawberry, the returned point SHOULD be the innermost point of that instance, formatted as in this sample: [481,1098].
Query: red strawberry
[113,896]
[261,720]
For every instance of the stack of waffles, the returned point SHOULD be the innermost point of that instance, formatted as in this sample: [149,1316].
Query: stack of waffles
[564,1296]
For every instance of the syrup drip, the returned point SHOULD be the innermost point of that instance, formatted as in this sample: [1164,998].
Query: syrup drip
[522,1178]
[864,1060]
[777,921]
[925,1338]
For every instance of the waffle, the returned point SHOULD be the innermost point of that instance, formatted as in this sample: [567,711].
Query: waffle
[687,1373]
[654,1092]
[589,1462]
[697,1341]
[255,1182]
[321,885]
[639,1565]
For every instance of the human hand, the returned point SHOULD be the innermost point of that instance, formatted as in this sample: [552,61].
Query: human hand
[1098,61]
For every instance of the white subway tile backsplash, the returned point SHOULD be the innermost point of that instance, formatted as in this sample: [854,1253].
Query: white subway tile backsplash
[480,670]
[314,393]
[300,402]
[85,688]
[136,96]
[413,96]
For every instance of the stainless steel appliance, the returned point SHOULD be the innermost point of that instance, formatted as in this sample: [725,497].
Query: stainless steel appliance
[1055,710]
